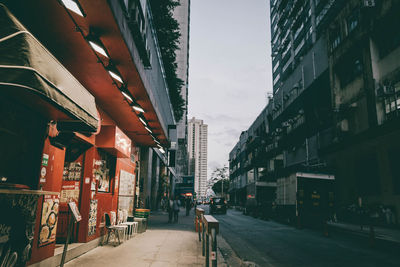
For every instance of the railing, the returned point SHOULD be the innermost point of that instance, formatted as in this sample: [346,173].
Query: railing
[208,226]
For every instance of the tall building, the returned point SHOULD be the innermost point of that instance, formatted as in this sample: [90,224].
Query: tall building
[182,15]
[334,110]
[197,150]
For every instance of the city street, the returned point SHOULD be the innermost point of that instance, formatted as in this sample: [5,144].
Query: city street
[268,243]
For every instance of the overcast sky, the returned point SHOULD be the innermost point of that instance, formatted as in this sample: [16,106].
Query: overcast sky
[229,69]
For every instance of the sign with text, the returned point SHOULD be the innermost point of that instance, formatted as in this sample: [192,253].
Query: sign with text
[75,212]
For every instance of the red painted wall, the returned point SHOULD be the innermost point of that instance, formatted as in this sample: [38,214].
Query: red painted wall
[53,183]
[106,201]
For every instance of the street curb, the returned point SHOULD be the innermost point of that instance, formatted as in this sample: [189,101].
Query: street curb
[227,256]
[379,241]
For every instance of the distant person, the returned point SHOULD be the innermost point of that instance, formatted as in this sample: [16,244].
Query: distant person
[188,205]
[175,208]
[170,208]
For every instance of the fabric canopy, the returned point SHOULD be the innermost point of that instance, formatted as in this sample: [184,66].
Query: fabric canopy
[29,72]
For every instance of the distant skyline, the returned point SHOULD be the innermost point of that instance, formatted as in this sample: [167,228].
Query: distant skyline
[230,69]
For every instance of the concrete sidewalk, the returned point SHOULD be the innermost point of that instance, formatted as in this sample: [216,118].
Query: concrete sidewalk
[163,244]
[382,235]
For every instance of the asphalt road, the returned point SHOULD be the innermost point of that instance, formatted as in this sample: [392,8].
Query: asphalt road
[268,243]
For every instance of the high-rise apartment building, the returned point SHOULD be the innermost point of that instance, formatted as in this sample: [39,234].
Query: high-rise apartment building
[197,150]
[182,15]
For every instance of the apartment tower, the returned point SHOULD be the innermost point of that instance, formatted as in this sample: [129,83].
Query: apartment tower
[197,150]
[182,15]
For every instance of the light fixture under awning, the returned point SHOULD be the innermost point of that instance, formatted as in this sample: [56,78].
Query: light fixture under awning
[30,73]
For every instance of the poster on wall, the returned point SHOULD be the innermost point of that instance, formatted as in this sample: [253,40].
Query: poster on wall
[72,171]
[48,222]
[69,192]
[126,183]
[102,174]
[126,191]
[92,217]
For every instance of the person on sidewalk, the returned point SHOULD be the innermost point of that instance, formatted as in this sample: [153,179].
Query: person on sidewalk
[188,205]
[170,208]
[175,208]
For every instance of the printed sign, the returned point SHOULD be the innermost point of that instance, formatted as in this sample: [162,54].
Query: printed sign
[45,160]
[92,217]
[48,222]
[75,211]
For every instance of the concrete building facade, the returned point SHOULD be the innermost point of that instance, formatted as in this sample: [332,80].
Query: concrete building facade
[197,150]
[334,108]
[182,15]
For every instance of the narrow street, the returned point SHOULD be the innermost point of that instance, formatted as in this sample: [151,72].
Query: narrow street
[268,243]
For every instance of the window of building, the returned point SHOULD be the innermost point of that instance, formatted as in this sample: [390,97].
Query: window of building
[335,37]
[349,69]
[352,20]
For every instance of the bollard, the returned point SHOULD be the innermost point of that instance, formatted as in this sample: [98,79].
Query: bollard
[210,228]
[204,245]
[199,221]
[213,248]
[207,250]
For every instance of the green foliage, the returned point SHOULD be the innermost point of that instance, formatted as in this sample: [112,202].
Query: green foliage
[222,177]
[168,34]
[217,187]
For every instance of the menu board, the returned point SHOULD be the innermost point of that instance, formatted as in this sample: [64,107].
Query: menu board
[92,217]
[126,183]
[48,222]
[75,211]
[69,192]
[72,171]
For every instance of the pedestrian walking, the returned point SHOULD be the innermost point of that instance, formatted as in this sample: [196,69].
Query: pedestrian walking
[188,205]
[170,208]
[175,208]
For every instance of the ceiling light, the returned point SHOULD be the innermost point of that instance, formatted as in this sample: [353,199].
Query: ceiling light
[138,108]
[73,6]
[148,129]
[127,96]
[143,121]
[99,48]
[115,76]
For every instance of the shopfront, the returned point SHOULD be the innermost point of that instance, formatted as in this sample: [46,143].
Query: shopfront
[39,99]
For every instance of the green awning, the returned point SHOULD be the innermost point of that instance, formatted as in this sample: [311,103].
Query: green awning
[31,74]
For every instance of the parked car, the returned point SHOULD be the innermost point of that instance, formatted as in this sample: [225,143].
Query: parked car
[218,205]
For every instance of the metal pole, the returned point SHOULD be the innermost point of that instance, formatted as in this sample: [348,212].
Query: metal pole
[70,226]
[213,248]
[207,250]
[204,245]
[199,227]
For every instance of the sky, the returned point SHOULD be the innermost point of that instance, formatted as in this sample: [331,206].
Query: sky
[230,69]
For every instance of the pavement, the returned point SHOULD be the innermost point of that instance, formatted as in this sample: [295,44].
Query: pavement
[381,235]
[163,244]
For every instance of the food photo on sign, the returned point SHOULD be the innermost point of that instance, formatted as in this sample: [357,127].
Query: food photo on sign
[48,222]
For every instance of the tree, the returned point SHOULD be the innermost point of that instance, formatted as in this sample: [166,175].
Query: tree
[220,177]
[168,34]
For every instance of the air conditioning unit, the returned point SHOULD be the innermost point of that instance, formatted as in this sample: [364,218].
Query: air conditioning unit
[369,3]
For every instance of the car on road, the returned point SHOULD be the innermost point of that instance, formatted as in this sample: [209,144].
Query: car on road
[218,205]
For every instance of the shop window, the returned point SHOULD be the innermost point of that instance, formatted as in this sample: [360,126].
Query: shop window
[104,171]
